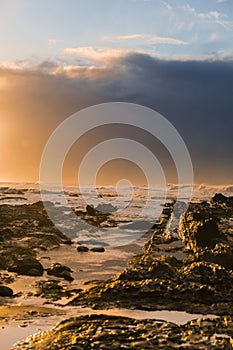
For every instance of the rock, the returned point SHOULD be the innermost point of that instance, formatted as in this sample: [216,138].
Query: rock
[61,271]
[53,290]
[198,228]
[5,291]
[112,333]
[219,198]
[221,254]
[97,249]
[91,210]
[106,208]
[95,217]
[27,266]
[82,249]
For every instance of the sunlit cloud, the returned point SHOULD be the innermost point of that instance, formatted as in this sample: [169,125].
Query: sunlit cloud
[54,41]
[93,62]
[147,38]
[97,54]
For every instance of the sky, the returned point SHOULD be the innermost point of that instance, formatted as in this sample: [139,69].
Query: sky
[58,57]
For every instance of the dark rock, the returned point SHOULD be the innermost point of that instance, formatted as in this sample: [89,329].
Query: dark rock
[199,229]
[5,291]
[61,271]
[92,211]
[97,249]
[95,217]
[27,266]
[82,248]
[219,198]
[221,254]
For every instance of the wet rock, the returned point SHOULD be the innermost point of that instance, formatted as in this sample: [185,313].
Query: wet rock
[61,271]
[220,198]
[5,291]
[103,332]
[112,332]
[6,234]
[24,231]
[6,278]
[92,211]
[82,249]
[95,217]
[53,290]
[106,208]
[198,228]
[221,254]
[27,266]
[97,249]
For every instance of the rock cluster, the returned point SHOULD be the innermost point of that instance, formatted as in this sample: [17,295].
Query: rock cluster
[24,230]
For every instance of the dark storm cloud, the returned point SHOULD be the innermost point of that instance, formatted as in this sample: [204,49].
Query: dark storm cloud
[196,96]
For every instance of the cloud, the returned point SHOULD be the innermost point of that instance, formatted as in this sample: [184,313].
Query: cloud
[147,38]
[216,17]
[97,54]
[167,5]
[54,41]
[196,96]
[211,17]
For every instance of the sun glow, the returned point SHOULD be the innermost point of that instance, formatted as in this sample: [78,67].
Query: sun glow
[2,82]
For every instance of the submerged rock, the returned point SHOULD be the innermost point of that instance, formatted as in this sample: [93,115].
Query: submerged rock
[97,218]
[53,290]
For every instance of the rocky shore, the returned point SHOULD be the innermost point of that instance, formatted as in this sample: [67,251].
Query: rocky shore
[201,282]
[189,268]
